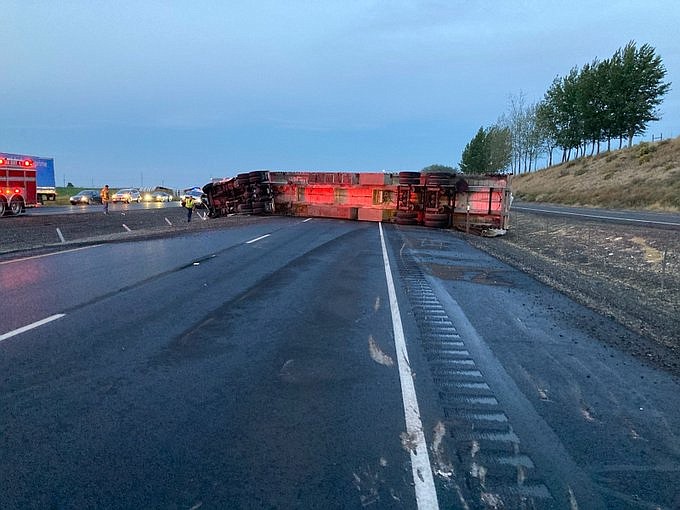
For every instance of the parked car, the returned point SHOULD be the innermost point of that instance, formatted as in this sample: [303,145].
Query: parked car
[126,195]
[86,197]
[157,196]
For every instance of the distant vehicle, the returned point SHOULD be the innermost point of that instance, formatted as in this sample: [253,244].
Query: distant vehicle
[127,195]
[157,196]
[46,185]
[200,198]
[17,183]
[87,196]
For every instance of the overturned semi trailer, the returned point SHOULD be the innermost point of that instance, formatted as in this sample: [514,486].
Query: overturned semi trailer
[472,203]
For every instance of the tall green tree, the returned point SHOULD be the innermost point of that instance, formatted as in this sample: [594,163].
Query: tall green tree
[546,127]
[563,98]
[473,160]
[498,147]
[642,87]
[614,98]
[490,151]
[438,169]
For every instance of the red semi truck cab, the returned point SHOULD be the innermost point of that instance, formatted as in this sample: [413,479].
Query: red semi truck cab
[17,184]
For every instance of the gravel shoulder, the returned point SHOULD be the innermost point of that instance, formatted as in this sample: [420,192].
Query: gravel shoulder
[626,272]
[629,273]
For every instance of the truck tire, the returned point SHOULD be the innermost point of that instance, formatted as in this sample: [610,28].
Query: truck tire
[407,218]
[257,177]
[243,180]
[440,217]
[435,224]
[16,206]
[437,178]
[3,207]
[409,178]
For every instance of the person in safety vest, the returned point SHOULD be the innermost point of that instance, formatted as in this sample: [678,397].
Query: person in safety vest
[106,197]
[189,204]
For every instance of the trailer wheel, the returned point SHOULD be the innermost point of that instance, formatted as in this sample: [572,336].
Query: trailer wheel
[16,206]
[440,217]
[437,178]
[435,224]
[3,207]
[409,177]
[242,180]
[407,218]
[407,221]
[257,177]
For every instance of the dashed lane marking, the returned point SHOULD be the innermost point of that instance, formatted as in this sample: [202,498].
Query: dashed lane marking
[31,326]
[48,254]
[257,239]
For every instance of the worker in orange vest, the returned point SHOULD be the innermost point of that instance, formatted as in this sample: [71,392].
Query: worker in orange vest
[106,197]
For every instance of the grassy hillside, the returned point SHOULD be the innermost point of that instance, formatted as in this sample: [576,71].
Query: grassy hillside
[645,176]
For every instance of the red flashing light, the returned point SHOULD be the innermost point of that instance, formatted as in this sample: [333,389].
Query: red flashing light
[17,191]
[3,161]
[27,163]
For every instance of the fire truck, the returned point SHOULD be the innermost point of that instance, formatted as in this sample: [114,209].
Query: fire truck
[473,203]
[18,183]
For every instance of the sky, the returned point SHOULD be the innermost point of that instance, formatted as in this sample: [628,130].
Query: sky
[176,93]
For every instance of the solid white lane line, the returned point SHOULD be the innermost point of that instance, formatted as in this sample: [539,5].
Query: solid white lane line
[48,254]
[426,494]
[31,326]
[257,239]
[596,216]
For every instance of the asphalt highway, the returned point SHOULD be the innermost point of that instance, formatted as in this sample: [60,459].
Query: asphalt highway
[310,363]
[79,209]
[664,219]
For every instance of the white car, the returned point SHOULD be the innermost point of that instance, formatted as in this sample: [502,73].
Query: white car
[157,196]
[127,195]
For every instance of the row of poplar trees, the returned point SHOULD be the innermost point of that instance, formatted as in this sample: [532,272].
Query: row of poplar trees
[613,99]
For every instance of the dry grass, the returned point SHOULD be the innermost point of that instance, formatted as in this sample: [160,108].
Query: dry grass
[645,176]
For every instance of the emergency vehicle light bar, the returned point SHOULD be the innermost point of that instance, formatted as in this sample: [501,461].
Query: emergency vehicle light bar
[26,163]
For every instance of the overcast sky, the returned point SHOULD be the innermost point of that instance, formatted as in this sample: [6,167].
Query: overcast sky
[149,92]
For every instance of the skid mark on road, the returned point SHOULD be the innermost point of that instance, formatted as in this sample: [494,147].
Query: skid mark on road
[499,473]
